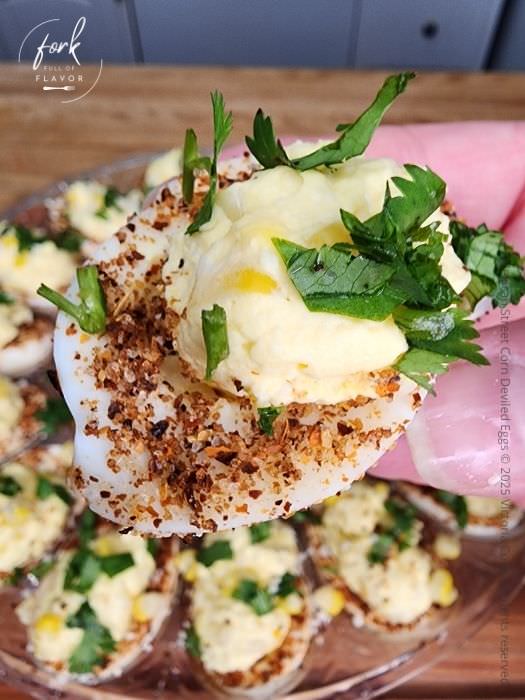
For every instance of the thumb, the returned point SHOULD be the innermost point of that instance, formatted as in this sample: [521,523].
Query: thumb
[470,438]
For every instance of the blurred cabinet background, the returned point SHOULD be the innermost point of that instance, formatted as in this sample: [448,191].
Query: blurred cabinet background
[427,34]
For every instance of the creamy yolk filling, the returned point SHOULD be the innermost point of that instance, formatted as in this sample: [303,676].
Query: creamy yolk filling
[402,588]
[232,636]
[279,350]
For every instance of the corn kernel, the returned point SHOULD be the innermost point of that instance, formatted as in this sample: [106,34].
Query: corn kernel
[103,547]
[21,514]
[444,592]
[330,501]
[382,489]
[20,259]
[251,280]
[447,546]
[138,612]
[292,605]
[329,600]
[186,565]
[50,623]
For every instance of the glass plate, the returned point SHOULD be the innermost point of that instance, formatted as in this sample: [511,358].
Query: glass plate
[343,660]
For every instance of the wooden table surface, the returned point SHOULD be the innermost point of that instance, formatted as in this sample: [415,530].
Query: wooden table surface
[137,109]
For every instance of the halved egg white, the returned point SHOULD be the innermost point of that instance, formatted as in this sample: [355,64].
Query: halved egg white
[164,454]
[30,350]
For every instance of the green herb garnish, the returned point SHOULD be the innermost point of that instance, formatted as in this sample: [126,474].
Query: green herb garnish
[192,643]
[5,298]
[287,585]
[55,414]
[305,516]
[354,138]
[220,549]
[260,532]
[391,266]
[114,564]
[258,598]
[380,550]
[42,568]
[111,198]
[16,576]
[86,527]
[215,332]
[26,238]
[400,532]
[69,240]
[191,161]
[496,267]
[97,642]
[83,570]
[456,503]
[222,127]
[85,567]
[90,313]
[333,280]
[153,547]
[419,365]
[267,416]
[46,488]
[9,486]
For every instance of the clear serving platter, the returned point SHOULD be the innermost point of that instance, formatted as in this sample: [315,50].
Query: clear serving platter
[343,661]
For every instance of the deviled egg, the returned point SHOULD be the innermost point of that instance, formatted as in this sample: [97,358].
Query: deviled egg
[370,546]
[248,622]
[262,331]
[96,211]
[479,516]
[25,337]
[34,507]
[100,605]
[29,257]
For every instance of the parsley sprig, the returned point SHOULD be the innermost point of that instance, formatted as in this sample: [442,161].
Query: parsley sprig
[215,334]
[495,266]
[354,138]
[5,298]
[111,197]
[90,313]
[398,532]
[96,645]
[54,414]
[85,566]
[27,239]
[8,486]
[222,128]
[267,417]
[391,267]
[456,503]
